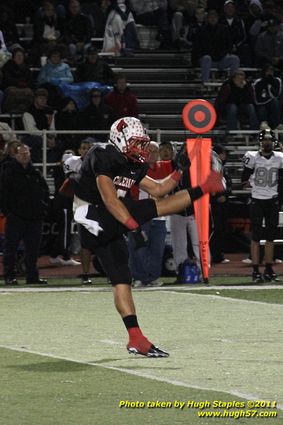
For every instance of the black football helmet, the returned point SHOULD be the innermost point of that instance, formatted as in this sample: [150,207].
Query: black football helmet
[267,140]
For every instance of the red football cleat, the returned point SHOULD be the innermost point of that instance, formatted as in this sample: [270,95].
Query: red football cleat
[144,347]
[213,183]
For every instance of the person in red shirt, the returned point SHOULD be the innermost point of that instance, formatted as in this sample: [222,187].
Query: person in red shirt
[121,99]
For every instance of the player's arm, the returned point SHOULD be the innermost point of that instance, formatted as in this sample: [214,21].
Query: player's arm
[246,174]
[247,170]
[108,194]
[159,189]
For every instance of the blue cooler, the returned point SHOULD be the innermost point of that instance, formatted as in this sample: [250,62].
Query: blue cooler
[190,273]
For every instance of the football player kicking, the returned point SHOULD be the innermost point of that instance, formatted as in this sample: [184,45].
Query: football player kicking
[263,170]
[107,174]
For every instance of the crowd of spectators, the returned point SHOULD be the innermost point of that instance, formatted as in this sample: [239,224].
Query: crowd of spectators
[223,34]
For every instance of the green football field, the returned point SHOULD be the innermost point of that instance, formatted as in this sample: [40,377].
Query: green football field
[63,358]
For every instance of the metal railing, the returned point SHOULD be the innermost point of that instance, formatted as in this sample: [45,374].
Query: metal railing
[157,133]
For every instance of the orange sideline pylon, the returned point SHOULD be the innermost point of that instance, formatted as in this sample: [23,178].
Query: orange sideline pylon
[199,151]
[199,117]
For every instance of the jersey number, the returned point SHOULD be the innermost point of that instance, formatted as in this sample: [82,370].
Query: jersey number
[264,177]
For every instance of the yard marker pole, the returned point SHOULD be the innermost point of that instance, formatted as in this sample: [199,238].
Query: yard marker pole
[199,117]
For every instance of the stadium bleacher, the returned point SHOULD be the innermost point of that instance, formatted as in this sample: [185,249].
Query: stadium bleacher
[164,81]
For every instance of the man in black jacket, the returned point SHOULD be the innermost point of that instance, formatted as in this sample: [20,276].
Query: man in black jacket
[236,28]
[77,29]
[213,47]
[95,69]
[24,199]
[96,116]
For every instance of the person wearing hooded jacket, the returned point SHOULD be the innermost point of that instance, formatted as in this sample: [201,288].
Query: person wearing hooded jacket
[268,91]
[254,20]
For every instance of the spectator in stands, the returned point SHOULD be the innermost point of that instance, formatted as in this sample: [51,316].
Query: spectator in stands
[146,261]
[196,23]
[54,151]
[184,13]
[120,36]
[123,102]
[38,117]
[9,29]
[153,13]
[219,212]
[24,199]
[3,47]
[269,45]
[90,9]
[100,14]
[6,132]
[4,54]
[268,91]
[9,151]
[54,73]
[236,96]
[273,8]
[47,30]
[77,30]
[59,8]
[97,115]
[166,151]
[94,69]
[254,21]
[18,83]
[213,46]
[67,119]
[237,30]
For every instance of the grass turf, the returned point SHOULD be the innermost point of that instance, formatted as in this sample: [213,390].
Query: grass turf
[209,337]
[38,390]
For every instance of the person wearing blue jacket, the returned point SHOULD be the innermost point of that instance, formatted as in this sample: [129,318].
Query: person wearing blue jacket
[52,74]
[55,71]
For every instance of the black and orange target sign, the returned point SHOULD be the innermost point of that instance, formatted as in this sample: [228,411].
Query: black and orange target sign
[199,116]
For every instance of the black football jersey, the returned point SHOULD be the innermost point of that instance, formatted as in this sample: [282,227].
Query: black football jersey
[105,159]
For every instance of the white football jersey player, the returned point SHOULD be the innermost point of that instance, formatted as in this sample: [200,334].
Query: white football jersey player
[264,179]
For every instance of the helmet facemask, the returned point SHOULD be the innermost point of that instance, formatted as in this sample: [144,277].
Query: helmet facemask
[137,149]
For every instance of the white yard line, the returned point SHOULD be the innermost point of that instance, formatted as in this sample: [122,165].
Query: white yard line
[186,288]
[140,374]
[219,298]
